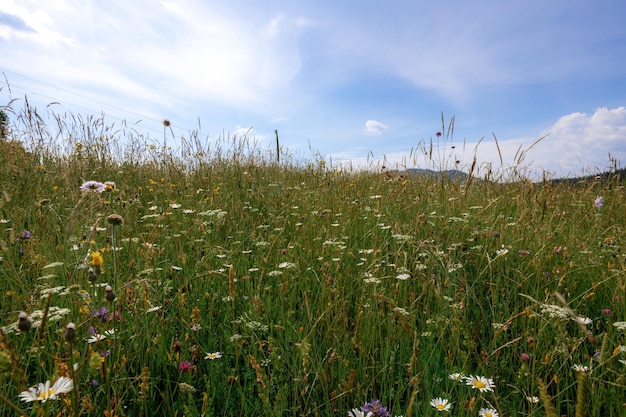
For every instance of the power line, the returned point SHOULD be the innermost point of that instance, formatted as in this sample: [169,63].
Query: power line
[142,116]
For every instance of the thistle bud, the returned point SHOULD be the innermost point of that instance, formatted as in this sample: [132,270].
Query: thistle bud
[70,332]
[109,294]
[91,275]
[23,322]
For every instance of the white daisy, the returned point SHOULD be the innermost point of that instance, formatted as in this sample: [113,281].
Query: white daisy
[488,412]
[480,383]
[44,392]
[214,355]
[441,404]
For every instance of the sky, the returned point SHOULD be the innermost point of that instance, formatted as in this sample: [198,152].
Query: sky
[362,83]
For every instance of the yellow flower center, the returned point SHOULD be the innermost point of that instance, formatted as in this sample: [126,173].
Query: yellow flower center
[488,415]
[480,385]
[441,406]
[46,394]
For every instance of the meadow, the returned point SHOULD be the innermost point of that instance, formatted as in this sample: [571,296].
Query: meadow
[213,280]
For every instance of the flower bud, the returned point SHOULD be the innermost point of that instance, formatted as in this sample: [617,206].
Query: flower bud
[109,294]
[70,332]
[91,275]
[23,322]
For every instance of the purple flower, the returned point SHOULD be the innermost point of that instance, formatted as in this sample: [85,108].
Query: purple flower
[185,366]
[525,357]
[607,312]
[101,314]
[376,408]
[92,186]
[26,235]
[598,202]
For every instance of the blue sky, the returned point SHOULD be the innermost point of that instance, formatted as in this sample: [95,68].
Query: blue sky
[350,79]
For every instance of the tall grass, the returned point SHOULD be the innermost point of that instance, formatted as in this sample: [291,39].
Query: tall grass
[241,287]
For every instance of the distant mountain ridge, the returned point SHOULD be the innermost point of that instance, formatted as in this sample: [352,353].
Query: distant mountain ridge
[453,174]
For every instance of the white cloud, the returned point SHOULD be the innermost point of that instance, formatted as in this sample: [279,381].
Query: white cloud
[185,50]
[576,144]
[374,127]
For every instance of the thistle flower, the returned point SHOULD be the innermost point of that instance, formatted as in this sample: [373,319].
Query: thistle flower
[375,408]
[44,392]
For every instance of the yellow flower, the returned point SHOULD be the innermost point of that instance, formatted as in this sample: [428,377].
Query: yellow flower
[96,261]
[96,258]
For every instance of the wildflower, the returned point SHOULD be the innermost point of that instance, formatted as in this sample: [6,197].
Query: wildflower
[109,186]
[580,368]
[375,408]
[185,366]
[96,262]
[440,404]
[403,277]
[607,312]
[101,314]
[44,392]
[525,357]
[598,202]
[583,320]
[355,412]
[97,337]
[214,355]
[92,186]
[23,322]
[532,399]
[620,325]
[488,412]
[480,383]
[456,376]
[502,252]
[554,311]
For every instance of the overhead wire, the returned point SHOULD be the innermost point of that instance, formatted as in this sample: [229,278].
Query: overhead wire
[67,102]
